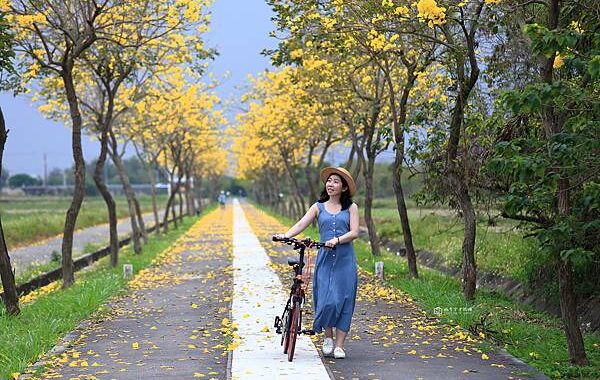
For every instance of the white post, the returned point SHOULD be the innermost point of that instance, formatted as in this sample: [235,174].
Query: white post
[127,270]
[379,270]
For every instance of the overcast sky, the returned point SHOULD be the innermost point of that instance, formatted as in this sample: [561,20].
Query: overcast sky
[239,30]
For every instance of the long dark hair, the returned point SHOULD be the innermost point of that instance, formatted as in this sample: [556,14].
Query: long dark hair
[345,198]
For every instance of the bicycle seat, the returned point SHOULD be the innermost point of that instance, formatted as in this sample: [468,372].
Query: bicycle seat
[292,262]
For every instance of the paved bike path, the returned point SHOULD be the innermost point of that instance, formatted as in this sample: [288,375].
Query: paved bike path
[41,252]
[257,299]
[173,323]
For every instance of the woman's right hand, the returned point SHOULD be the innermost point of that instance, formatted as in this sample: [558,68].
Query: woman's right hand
[331,243]
[279,236]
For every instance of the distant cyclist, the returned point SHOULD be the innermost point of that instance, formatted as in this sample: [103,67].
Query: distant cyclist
[222,199]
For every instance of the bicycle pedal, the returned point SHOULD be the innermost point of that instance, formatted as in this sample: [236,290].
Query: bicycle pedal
[308,332]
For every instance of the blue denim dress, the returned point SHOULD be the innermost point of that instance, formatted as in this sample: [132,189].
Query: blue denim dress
[335,280]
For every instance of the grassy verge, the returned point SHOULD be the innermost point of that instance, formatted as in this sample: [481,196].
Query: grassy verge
[43,322]
[534,337]
[500,249]
[28,220]
[36,270]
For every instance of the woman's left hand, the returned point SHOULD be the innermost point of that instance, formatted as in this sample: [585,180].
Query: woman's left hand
[331,243]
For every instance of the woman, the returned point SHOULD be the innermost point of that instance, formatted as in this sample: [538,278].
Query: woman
[335,279]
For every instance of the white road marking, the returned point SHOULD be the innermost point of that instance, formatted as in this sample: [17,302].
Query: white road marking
[257,299]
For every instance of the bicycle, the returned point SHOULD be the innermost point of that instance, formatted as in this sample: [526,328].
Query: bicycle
[290,322]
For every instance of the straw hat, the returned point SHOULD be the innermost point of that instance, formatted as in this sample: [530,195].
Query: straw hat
[325,173]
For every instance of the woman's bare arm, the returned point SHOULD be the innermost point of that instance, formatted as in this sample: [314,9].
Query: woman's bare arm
[306,220]
[353,233]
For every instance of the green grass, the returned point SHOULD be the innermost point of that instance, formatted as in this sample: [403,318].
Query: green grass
[532,336]
[31,219]
[535,337]
[501,249]
[44,322]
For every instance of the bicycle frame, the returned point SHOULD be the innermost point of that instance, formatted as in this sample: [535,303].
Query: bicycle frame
[290,322]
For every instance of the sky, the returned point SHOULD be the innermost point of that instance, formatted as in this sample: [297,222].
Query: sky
[239,31]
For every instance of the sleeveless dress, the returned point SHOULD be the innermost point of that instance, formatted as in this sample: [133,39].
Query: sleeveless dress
[335,280]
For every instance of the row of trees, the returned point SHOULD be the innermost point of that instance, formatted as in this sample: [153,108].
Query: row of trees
[490,99]
[133,167]
[129,73]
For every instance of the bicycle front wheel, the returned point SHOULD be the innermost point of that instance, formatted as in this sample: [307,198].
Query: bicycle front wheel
[285,338]
[296,320]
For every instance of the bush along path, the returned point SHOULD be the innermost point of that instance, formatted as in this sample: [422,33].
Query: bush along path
[173,323]
[392,338]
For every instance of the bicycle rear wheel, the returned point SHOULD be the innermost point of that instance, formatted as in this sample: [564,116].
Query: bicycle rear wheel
[285,337]
[295,319]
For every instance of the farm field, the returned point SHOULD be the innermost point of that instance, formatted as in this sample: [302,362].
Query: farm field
[501,249]
[29,220]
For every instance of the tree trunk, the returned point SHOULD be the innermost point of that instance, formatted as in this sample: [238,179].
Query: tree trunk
[10,296]
[350,159]
[171,204]
[189,196]
[553,126]
[411,256]
[373,238]
[149,170]
[108,199]
[299,199]
[468,247]
[455,177]
[135,230]
[180,207]
[308,171]
[140,217]
[198,192]
[568,309]
[174,213]
[154,204]
[398,120]
[79,188]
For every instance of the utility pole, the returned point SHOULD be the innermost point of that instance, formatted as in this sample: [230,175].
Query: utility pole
[45,174]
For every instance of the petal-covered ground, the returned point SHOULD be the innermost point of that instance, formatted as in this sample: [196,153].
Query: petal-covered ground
[174,322]
[391,337]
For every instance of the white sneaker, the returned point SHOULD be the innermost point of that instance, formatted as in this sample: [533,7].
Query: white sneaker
[327,346]
[339,353]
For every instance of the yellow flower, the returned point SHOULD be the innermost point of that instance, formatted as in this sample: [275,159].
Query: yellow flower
[576,25]
[296,53]
[558,61]
[4,5]
[431,13]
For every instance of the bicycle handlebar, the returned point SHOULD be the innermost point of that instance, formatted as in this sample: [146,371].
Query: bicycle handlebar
[308,242]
